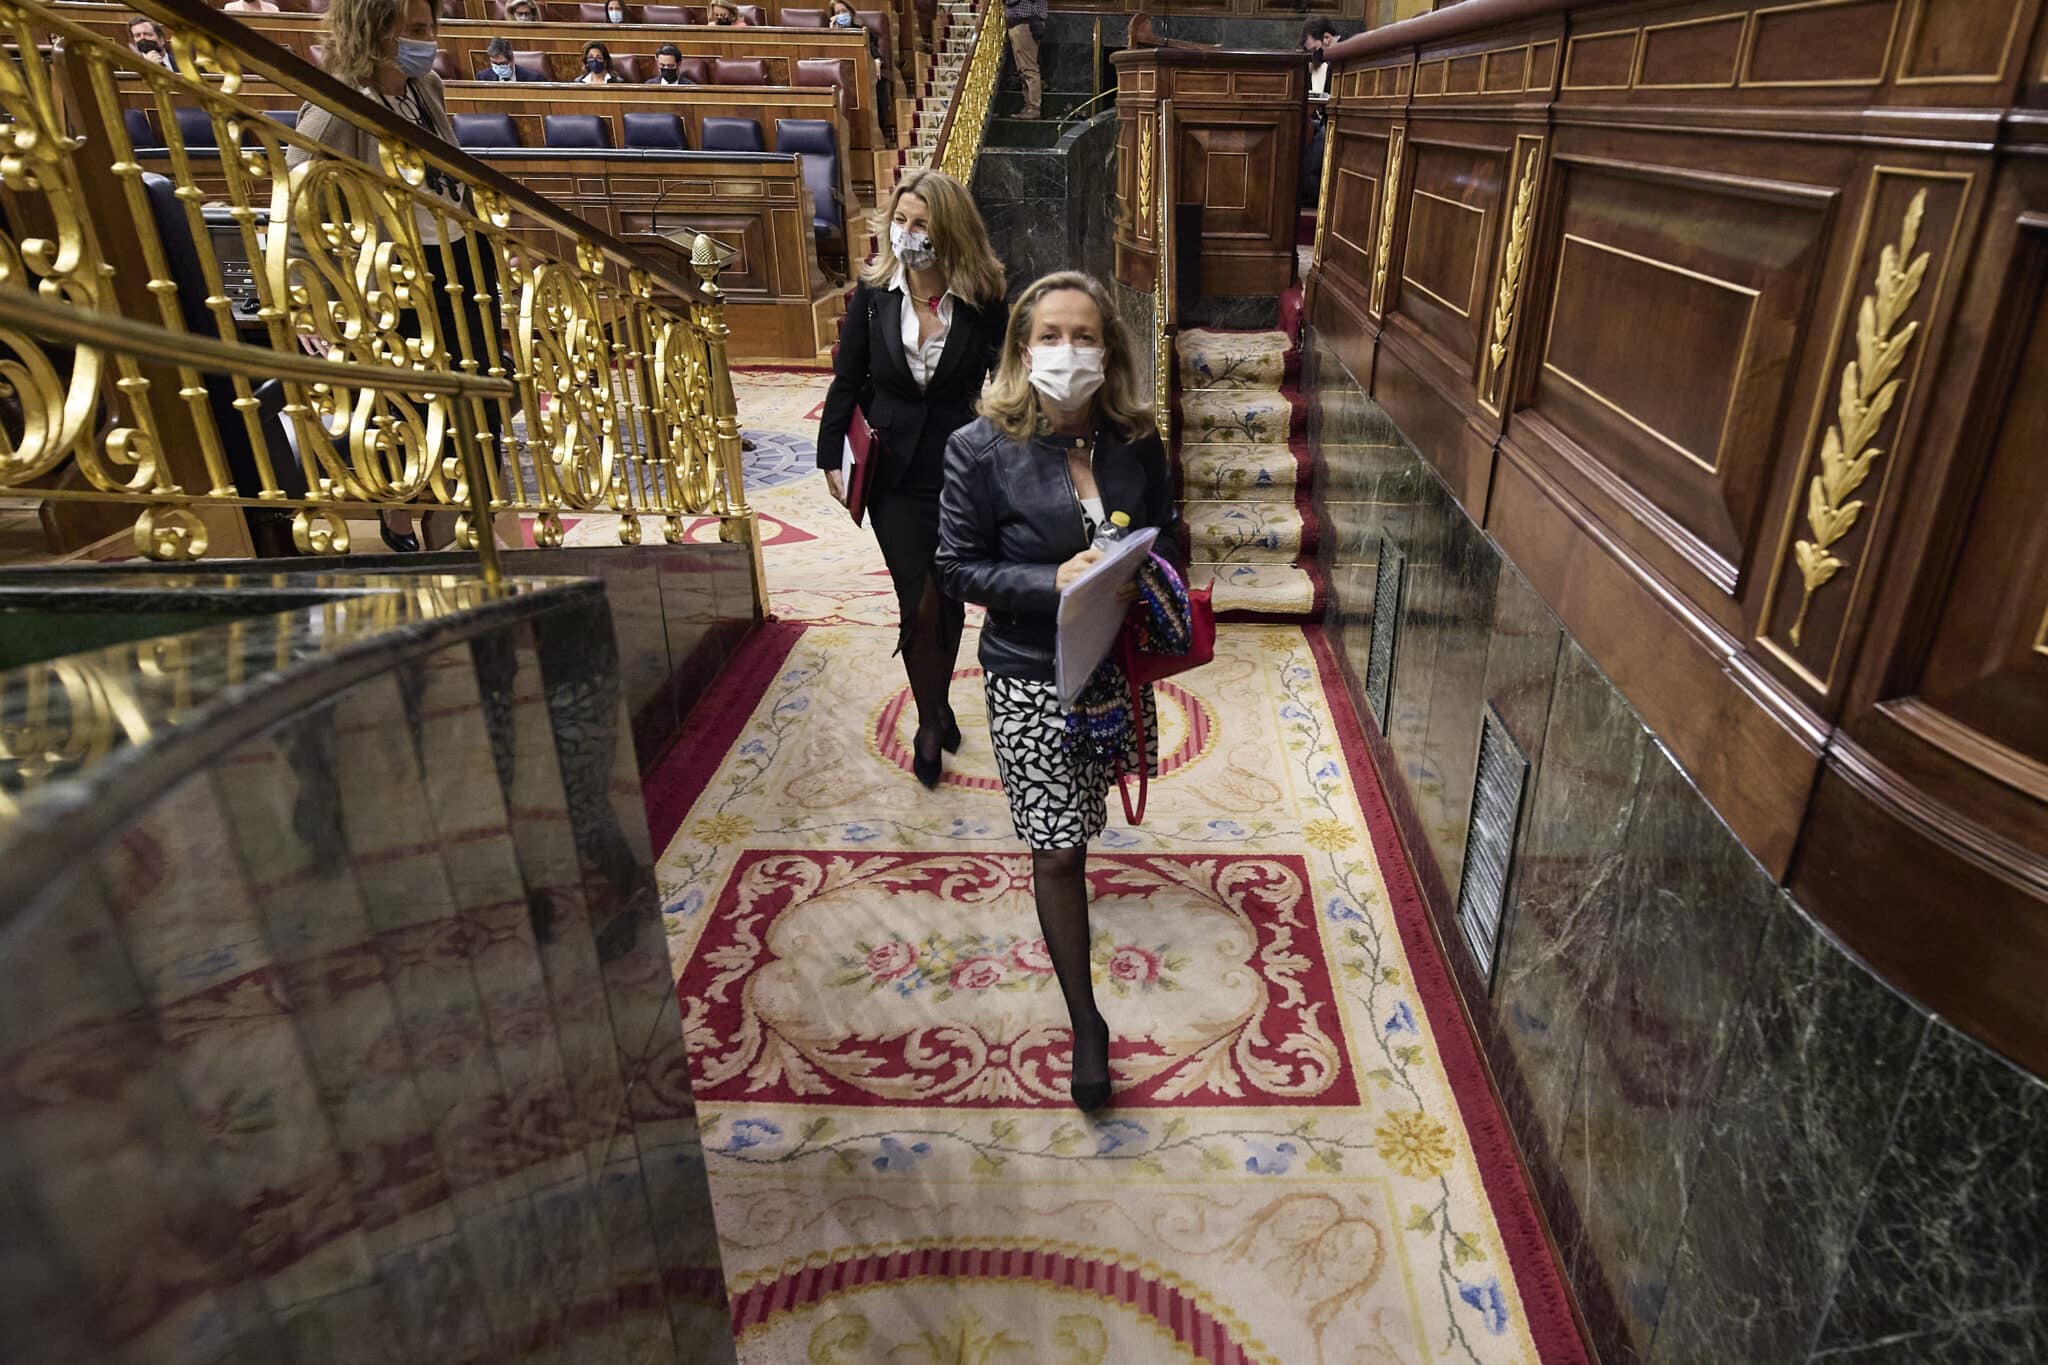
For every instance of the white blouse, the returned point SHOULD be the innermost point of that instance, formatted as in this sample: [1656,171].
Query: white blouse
[922,356]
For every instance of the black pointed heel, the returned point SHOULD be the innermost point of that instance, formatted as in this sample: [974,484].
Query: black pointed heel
[1091,1095]
[928,770]
[403,544]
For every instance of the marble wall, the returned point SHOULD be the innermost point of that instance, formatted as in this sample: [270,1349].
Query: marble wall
[1050,208]
[337,1007]
[1749,1149]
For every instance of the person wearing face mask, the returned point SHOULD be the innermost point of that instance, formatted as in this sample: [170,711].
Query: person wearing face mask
[841,15]
[384,50]
[1064,442]
[499,66]
[727,16]
[146,38]
[668,67]
[597,66]
[920,336]
[523,12]
[615,14]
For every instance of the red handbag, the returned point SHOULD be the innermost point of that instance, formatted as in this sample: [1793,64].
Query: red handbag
[1143,666]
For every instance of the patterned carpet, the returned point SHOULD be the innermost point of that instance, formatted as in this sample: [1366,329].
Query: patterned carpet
[1301,1163]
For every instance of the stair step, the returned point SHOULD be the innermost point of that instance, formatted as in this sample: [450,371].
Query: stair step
[1228,471]
[1265,589]
[1235,416]
[1231,360]
[1243,532]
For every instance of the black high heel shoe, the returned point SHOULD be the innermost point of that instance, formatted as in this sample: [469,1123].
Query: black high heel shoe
[404,544]
[1090,1095]
[949,738]
[928,770]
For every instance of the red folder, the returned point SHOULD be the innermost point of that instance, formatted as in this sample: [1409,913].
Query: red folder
[866,449]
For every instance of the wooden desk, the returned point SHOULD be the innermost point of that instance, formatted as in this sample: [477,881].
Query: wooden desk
[1237,121]
[779,304]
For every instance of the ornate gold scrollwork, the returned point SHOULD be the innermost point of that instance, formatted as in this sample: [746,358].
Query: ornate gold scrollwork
[1390,200]
[319,531]
[169,531]
[1323,194]
[1867,394]
[1511,269]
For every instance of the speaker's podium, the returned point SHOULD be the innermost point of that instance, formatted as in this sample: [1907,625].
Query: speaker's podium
[1236,123]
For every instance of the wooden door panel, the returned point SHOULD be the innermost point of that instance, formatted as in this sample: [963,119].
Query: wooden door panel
[1451,206]
[1676,304]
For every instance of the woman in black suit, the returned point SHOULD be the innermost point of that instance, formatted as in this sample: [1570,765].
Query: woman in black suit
[922,332]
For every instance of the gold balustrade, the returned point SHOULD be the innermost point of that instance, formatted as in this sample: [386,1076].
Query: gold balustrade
[579,377]
[959,140]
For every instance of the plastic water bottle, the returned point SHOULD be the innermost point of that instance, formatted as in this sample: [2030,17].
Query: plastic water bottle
[1119,525]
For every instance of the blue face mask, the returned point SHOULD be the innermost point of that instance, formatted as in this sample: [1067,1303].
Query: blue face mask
[502,70]
[416,56]
[842,21]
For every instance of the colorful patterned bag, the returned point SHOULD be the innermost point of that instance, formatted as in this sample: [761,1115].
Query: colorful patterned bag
[1169,630]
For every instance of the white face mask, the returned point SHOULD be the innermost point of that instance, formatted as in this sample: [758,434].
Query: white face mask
[1068,376]
[914,249]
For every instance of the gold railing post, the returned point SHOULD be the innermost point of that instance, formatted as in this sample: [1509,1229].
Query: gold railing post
[476,478]
[737,521]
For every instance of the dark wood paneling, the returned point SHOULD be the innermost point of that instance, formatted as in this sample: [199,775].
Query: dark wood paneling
[1729,320]
[1238,122]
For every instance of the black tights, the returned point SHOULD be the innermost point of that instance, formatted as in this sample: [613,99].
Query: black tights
[928,654]
[1059,883]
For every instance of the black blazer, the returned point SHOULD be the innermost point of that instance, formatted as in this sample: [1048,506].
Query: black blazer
[1009,517]
[870,371]
[519,73]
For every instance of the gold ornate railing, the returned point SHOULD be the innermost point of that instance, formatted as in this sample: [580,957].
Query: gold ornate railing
[565,372]
[959,141]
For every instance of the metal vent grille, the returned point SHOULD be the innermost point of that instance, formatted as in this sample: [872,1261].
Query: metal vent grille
[1503,770]
[1386,617]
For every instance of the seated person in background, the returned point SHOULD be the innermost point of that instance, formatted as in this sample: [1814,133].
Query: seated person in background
[524,11]
[146,37]
[615,13]
[668,67]
[499,54]
[1318,35]
[841,15]
[727,15]
[250,7]
[597,66]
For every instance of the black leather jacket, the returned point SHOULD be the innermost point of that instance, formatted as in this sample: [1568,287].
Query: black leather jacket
[1009,517]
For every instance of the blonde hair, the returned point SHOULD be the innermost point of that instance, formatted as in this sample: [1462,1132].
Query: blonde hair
[359,34]
[1010,401]
[968,262]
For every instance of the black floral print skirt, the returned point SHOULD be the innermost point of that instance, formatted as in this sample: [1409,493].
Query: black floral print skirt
[1059,798]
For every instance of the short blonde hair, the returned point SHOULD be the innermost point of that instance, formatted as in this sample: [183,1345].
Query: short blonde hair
[1010,401]
[969,263]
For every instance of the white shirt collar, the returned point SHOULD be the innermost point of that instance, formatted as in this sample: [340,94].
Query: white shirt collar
[902,283]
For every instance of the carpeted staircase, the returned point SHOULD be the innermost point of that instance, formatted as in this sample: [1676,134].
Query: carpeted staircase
[1244,476]
[952,37]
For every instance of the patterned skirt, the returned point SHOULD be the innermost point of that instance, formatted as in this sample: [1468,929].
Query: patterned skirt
[1059,798]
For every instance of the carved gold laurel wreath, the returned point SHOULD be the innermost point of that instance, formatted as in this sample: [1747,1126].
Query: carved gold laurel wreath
[1868,391]
[1390,194]
[1511,268]
[1145,170]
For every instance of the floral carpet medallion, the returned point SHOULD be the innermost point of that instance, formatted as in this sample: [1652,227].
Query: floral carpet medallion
[862,978]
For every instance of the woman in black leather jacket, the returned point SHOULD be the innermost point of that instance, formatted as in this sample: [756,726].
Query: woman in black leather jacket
[1063,442]
[920,338]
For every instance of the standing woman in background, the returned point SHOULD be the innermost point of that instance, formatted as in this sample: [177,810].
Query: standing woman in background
[385,49]
[921,334]
[1064,443]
